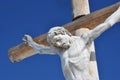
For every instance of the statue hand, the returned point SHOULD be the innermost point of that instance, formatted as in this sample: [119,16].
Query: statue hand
[28,39]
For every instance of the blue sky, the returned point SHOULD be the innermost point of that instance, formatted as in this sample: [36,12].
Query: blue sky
[35,17]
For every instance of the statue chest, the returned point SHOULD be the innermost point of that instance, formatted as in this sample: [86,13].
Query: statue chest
[77,53]
[76,48]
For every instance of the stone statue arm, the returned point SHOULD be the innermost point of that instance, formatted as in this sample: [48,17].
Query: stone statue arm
[38,47]
[109,22]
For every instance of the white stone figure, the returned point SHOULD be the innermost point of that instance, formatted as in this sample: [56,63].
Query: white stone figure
[74,51]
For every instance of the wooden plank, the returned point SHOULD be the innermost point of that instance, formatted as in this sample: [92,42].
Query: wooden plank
[22,51]
[81,8]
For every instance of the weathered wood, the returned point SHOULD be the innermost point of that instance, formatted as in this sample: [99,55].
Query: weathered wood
[22,51]
[81,8]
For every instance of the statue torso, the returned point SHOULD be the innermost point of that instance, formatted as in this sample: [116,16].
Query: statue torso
[75,59]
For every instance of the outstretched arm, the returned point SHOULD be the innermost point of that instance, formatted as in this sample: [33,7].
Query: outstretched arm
[39,48]
[110,21]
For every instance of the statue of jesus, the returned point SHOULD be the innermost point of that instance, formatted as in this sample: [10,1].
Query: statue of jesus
[74,51]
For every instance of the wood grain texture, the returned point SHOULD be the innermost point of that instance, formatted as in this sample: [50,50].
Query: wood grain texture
[79,8]
[90,21]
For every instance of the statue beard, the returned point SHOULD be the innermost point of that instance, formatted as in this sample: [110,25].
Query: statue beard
[62,44]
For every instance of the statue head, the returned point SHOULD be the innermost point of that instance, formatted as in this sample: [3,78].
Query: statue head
[59,37]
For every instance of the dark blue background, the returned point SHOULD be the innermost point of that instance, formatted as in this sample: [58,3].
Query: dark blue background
[35,17]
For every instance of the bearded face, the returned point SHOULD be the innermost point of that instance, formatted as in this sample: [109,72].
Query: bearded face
[59,37]
[61,41]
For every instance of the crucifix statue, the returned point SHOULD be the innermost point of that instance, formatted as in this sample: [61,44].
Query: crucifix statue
[74,50]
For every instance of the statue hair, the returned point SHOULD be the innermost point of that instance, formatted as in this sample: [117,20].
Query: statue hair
[56,31]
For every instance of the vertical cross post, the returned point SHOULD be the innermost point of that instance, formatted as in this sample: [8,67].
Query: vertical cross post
[81,8]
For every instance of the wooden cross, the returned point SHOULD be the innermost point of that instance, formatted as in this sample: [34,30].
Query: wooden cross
[90,21]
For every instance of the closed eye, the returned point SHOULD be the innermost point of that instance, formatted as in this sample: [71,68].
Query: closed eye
[55,33]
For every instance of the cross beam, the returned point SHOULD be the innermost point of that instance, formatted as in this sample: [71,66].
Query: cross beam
[90,21]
